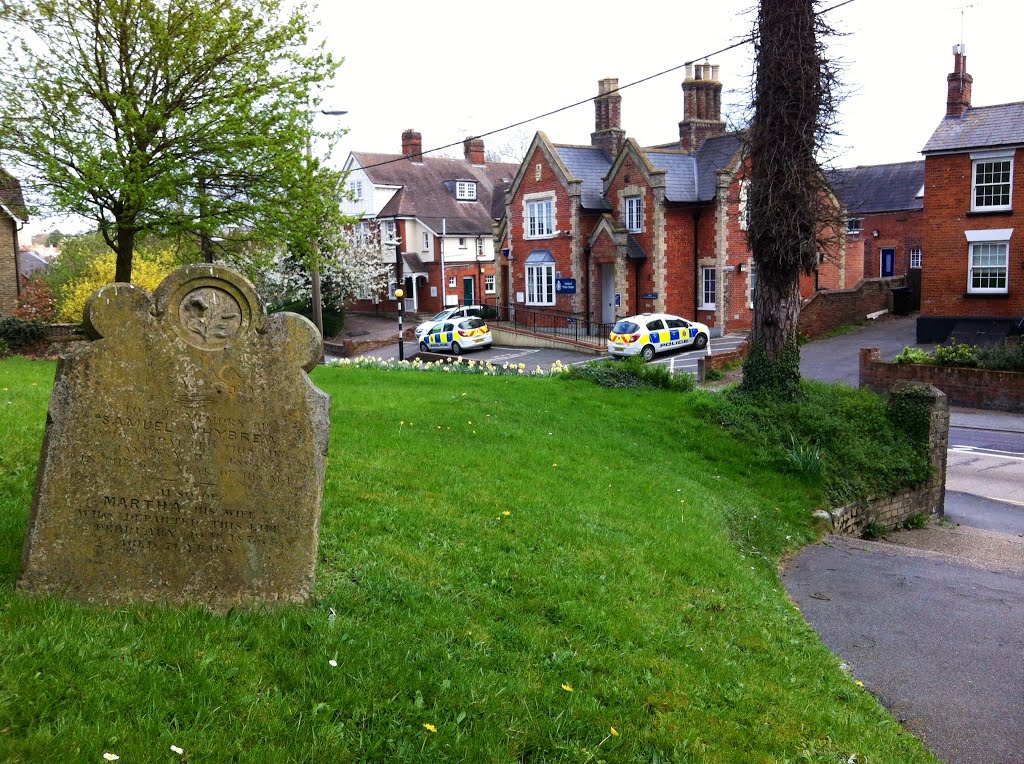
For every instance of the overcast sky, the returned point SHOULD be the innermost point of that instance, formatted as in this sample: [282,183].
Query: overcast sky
[450,69]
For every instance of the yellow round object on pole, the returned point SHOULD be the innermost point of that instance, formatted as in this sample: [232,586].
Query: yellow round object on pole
[399,293]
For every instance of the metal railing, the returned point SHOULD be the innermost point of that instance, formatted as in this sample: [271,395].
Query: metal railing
[556,323]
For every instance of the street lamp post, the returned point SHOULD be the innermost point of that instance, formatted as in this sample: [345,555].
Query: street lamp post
[400,293]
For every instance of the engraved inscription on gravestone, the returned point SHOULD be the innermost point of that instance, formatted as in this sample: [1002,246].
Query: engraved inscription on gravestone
[185,451]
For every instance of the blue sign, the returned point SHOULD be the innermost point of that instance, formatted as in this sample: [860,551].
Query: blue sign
[565,286]
[618,300]
[650,296]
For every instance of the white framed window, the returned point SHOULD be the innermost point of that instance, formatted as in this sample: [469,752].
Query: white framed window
[744,208]
[465,190]
[634,213]
[391,291]
[489,284]
[752,283]
[451,282]
[362,232]
[915,257]
[462,242]
[991,182]
[426,241]
[988,267]
[389,230]
[709,285]
[540,278]
[355,187]
[479,247]
[540,221]
[854,225]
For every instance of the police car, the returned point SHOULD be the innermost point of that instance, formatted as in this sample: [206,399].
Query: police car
[651,333]
[457,335]
[454,314]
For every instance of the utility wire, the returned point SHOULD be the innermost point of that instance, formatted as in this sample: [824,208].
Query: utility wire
[705,57]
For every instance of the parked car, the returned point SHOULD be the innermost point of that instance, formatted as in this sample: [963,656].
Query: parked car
[651,333]
[457,336]
[460,311]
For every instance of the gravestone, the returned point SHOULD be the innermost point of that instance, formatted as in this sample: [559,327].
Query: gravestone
[185,451]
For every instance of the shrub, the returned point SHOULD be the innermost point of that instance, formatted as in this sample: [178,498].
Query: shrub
[5,349]
[956,354]
[146,273]
[18,332]
[1008,357]
[631,373]
[36,301]
[334,320]
[913,355]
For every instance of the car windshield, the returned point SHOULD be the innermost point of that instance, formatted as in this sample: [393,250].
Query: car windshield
[443,314]
[625,327]
[472,323]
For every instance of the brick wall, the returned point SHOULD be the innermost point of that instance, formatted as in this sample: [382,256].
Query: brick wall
[927,498]
[8,266]
[901,231]
[828,310]
[947,216]
[974,388]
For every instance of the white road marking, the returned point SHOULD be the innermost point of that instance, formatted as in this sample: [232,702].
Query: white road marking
[1016,456]
[508,356]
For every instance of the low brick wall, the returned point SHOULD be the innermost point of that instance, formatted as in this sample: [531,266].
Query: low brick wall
[721,360]
[973,388]
[836,307]
[65,332]
[928,498]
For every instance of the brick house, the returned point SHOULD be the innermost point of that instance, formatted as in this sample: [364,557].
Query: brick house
[973,233]
[12,216]
[442,210]
[885,215]
[606,230]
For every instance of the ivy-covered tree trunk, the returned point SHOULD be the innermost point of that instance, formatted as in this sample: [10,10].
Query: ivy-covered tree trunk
[787,195]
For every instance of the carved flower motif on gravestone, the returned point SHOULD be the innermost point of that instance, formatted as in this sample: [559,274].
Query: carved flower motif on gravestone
[210,314]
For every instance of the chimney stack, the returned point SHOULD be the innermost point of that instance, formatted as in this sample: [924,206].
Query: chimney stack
[702,106]
[608,133]
[958,84]
[412,145]
[473,148]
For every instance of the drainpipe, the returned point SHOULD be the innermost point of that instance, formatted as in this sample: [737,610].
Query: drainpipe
[636,287]
[444,278]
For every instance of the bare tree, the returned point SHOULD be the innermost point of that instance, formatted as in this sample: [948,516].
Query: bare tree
[789,200]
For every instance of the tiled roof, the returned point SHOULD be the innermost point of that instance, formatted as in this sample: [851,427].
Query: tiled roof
[981,127]
[680,174]
[716,154]
[29,262]
[425,196]
[590,165]
[879,188]
[10,195]
[692,178]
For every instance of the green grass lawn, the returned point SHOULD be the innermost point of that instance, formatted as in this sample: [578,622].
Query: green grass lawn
[509,569]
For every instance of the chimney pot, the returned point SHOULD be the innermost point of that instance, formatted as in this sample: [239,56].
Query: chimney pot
[473,149]
[412,145]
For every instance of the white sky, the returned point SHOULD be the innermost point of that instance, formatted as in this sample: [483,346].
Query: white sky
[450,69]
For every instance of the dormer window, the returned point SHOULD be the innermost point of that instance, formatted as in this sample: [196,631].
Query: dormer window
[465,190]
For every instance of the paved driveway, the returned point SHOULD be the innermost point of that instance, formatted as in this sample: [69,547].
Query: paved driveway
[837,359]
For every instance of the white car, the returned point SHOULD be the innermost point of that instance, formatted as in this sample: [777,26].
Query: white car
[651,333]
[457,335]
[461,311]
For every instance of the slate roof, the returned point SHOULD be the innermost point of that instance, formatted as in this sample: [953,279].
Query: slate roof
[10,195]
[590,165]
[692,177]
[29,262]
[879,188]
[979,127]
[425,196]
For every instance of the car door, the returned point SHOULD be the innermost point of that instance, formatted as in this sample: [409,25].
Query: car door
[440,337]
[658,335]
[680,332]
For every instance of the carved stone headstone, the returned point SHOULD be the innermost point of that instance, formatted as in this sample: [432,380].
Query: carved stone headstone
[185,451]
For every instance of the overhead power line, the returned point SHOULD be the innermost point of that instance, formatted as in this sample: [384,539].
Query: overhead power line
[705,57]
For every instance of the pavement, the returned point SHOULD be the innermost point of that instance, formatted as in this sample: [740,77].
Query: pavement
[931,619]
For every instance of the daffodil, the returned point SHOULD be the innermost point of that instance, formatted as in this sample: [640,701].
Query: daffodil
[177,750]
[615,732]
[430,728]
[567,687]
[506,513]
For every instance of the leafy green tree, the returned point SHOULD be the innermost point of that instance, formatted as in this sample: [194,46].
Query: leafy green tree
[170,117]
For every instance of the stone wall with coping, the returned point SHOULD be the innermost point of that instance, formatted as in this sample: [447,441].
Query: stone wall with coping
[928,498]
[974,388]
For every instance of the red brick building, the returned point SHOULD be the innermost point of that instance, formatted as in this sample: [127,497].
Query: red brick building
[442,210]
[612,229]
[973,275]
[12,217]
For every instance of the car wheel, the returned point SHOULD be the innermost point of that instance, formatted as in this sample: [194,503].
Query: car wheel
[423,347]
[701,342]
[456,348]
[647,353]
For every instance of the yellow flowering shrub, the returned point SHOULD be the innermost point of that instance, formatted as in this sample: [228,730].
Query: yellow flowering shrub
[147,273]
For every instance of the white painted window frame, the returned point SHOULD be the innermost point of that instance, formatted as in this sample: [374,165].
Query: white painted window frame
[980,159]
[540,284]
[988,237]
[704,272]
[540,218]
[916,257]
[465,190]
[489,287]
[633,213]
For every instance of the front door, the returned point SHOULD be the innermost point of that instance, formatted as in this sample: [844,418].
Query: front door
[888,261]
[467,290]
[608,294]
